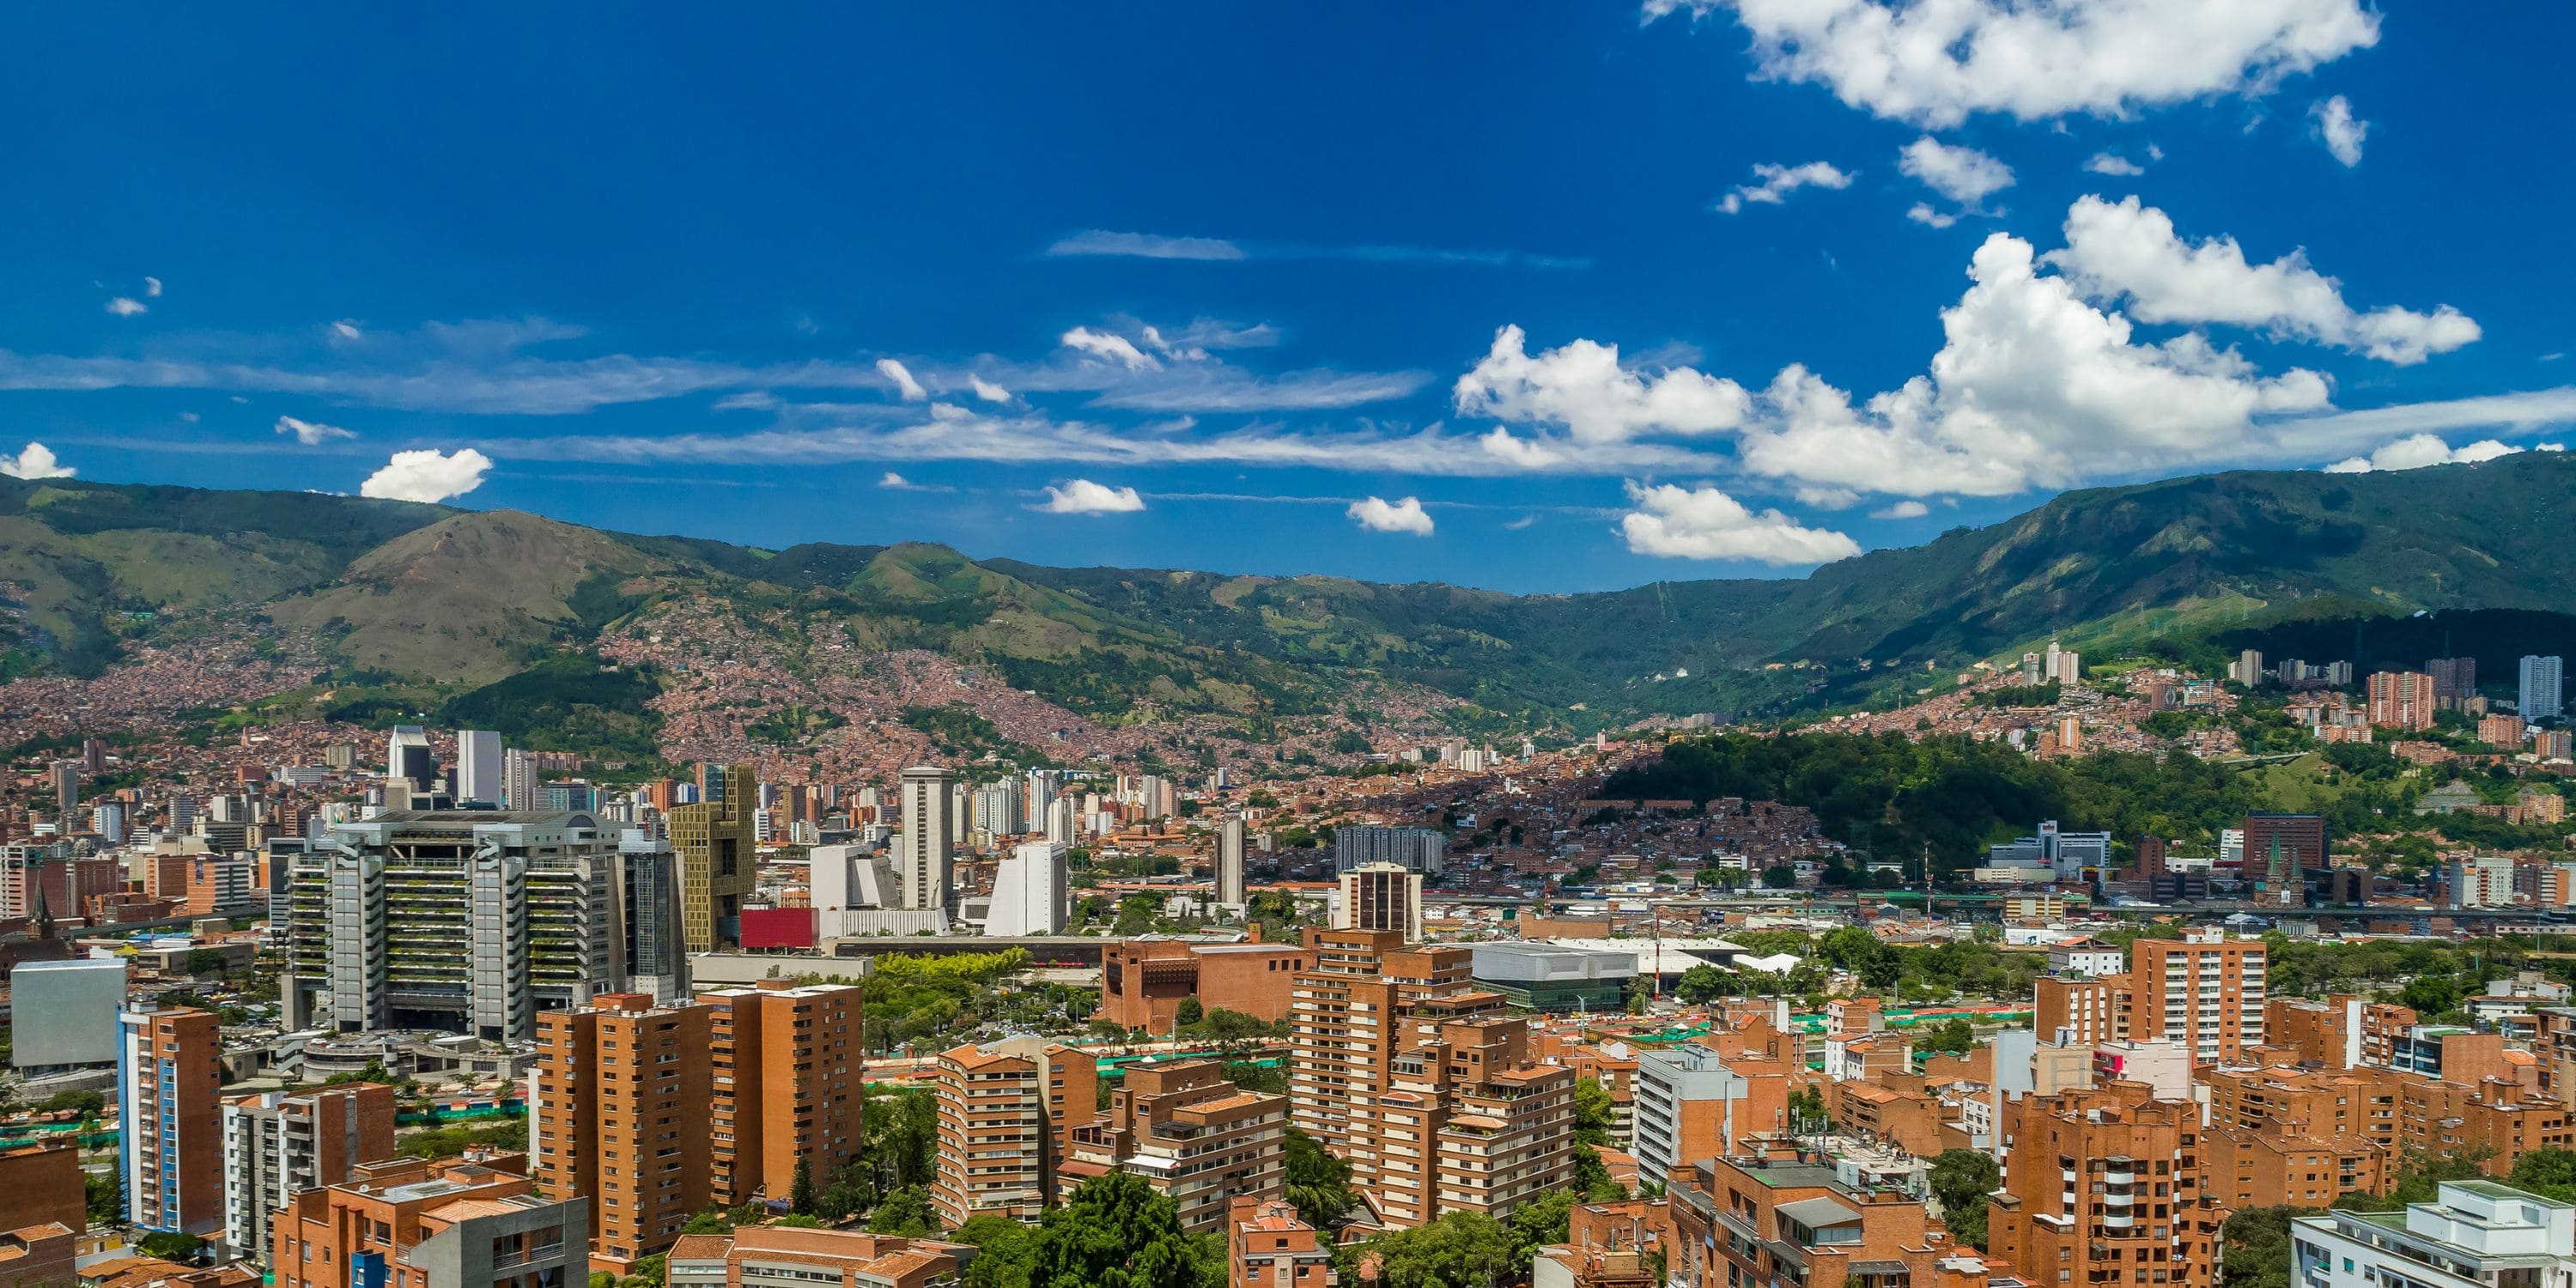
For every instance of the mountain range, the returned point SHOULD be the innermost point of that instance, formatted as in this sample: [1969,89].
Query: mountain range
[463,599]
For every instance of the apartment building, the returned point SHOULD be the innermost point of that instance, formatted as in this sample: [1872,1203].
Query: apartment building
[1695,1102]
[1192,1135]
[621,1100]
[1266,1246]
[2081,1010]
[2203,990]
[1759,1220]
[473,921]
[2282,1162]
[169,1084]
[1610,1245]
[2339,1031]
[1008,1115]
[758,1255]
[715,840]
[2473,1233]
[2108,1183]
[280,1143]
[786,1078]
[411,1223]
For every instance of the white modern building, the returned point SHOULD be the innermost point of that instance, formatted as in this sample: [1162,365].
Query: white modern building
[2475,1234]
[63,1014]
[1229,862]
[1032,892]
[2087,957]
[478,766]
[1670,1080]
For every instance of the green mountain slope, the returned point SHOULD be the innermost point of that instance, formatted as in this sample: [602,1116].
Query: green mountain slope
[467,598]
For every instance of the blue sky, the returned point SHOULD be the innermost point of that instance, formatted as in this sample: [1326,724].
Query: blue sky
[1283,289]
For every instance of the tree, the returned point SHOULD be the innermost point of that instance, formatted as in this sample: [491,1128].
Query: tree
[800,1191]
[1460,1250]
[171,1245]
[106,1195]
[1115,1232]
[2258,1247]
[905,1212]
[1538,1223]
[1592,1110]
[1700,985]
[1961,1179]
[1318,1182]
[1779,878]
[202,962]
[1952,1035]
[1003,1249]
[2549,1172]
[1592,1178]
[1189,1012]
[2430,995]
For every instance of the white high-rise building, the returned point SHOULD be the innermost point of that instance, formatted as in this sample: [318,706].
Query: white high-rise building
[1229,862]
[1032,892]
[518,780]
[1060,825]
[928,846]
[479,775]
[2541,697]
[409,759]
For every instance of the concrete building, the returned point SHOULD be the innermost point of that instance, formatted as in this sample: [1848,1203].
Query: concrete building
[1144,981]
[786,1257]
[2475,1234]
[409,1223]
[1195,1137]
[2072,856]
[472,921]
[278,1144]
[2203,990]
[1415,849]
[62,1014]
[1229,862]
[1693,1102]
[1266,1246]
[717,861]
[169,1085]
[1032,891]
[410,765]
[2541,688]
[1555,977]
[1380,896]
[479,776]
[1008,1113]
[1755,1219]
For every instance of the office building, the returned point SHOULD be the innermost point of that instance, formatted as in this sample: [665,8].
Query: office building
[2071,856]
[1268,1247]
[717,856]
[411,1223]
[2454,680]
[518,780]
[1694,1102]
[278,1144]
[787,1257]
[926,851]
[2247,669]
[2474,1233]
[410,765]
[1196,1138]
[1380,896]
[63,1014]
[2276,848]
[169,1082]
[2108,1179]
[1415,849]
[1555,977]
[479,778]
[1008,1113]
[1144,981]
[2539,696]
[1032,891]
[1229,862]
[472,921]
[2204,991]
[66,776]
[2401,700]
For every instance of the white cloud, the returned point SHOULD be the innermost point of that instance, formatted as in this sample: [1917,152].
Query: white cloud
[2334,125]
[1114,347]
[428,475]
[1922,212]
[902,377]
[126,306]
[152,287]
[2416,451]
[894,480]
[1145,246]
[1776,182]
[1377,515]
[34,461]
[1962,174]
[1704,523]
[1902,510]
[1936,62]
[1826,498]
[2128,251]
[2112,163]
[1082,496]
[1582,387]
[987,390]
[312,433]
[347,329]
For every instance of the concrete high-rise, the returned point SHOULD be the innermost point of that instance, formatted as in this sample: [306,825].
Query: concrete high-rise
[518,780]
[2454,679]
[1229,861]
[66,784]
[1008,1112]
[2204,991]
[280,1143]
[718,866]
[1032,891]
[478,767]
[2402,700]
[2541,696]
[928,848]
[408,759]
[1380,896]
[169,1085]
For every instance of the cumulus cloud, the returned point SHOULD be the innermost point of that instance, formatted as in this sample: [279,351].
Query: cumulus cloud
[1144,246]
[1082,496]
[34,461]
[1773,184]
[987,390]
[126,306]
[312,433]
[428,475]
[2129,251]
[1963,174]
[1378,515]
[901,375]
[2416,451]
[2335,126]
[1111,346]
[1582,387]
[1704,523]
[1936,62]
[2112,163]
[1902,510]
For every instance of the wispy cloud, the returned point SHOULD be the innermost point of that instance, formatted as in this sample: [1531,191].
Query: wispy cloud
[312,433]
[1103,242]
[1100,241]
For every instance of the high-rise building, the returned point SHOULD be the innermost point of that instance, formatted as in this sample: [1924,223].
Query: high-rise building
[2204,991]
[787,1074]
[1032,891]
[414,1223]
[1229,861]
[518,780]
[1008,1112]
[2109,1180]
[1380,896]
[2454,679]
[2247,669]
[620,1106]
[471,921]
[63,1013]
[2295,843]
[718,854]
[1694,1102]
[1415,849]
[479,777]
[408,758]
[2540,695]
[2402,700]
[278,1144]
[169,1086]
[1195,1137]
[66,783]
[928,848]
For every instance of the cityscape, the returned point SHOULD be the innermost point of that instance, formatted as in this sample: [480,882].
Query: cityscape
[1657,644]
